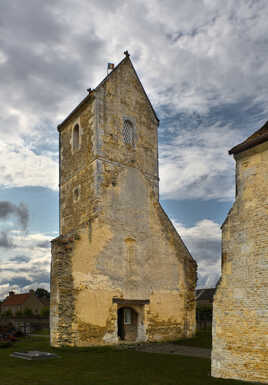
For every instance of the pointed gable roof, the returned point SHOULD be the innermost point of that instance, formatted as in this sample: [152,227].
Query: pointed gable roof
[16,299]
[91,92]
[259,136]
[205,294]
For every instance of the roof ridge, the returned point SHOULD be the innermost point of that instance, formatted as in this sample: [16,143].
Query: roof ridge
[110,73]
[9,300]
[258,137]
[91,91]
[144,91]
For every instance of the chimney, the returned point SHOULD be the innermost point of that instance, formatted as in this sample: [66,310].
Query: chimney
[11,293]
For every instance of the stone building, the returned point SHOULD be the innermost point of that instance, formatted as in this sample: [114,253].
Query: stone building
[204,297]
[20,302]
[240,309]
[119,269]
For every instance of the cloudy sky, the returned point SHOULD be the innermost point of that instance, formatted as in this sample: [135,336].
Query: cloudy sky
[203,64]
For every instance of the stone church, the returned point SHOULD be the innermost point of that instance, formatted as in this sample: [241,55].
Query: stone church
[240,310]
[119,269]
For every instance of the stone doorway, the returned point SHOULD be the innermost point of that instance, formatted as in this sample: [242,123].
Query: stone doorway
[130,322]
[127,324]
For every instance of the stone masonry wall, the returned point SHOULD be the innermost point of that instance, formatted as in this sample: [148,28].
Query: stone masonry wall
[133,253]
[77,170]
[61,291]
[122,244]
[240,310]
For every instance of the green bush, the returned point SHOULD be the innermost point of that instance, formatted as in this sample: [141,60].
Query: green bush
[28,312]
[45,312]
[6,314]
[5,344]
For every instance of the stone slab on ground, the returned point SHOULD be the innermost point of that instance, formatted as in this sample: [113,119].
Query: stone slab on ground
[33,355]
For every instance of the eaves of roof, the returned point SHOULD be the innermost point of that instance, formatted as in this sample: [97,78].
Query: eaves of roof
[260,136]
[16,299]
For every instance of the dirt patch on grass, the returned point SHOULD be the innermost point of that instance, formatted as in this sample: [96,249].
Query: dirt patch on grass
[169,348]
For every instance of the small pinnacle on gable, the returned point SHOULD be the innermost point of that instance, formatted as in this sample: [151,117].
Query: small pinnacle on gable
[126,54]
[88,90]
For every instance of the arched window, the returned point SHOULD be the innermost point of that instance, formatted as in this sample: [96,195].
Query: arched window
[128,132]
[76,137]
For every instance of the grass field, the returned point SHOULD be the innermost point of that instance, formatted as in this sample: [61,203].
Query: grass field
[203,339]
[103,365]
[43,332]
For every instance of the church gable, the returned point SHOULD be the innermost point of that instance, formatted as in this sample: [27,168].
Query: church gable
[125,72]
[127,123]
[119,269]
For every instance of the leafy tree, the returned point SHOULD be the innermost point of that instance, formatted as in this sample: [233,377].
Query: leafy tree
[7,313]
[40,292]
[45,312]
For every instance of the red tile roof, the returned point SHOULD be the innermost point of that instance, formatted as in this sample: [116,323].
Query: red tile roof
[260,136]
[16,299]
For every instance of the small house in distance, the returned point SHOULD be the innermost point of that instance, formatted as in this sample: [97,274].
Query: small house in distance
[204,301]
[119,269]
[204,297]
[20,302]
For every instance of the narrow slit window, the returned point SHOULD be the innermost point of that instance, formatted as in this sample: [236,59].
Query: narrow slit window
[76,137]
[128,132]
[76,194]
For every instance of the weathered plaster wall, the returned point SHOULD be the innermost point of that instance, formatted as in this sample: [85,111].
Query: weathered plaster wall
[240,310]
[133,254]
[122,243]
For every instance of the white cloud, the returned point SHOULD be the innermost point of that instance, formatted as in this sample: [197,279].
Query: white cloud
[3,58]
[204,243]
[21,166]
[195,164]
[203,230]
[27,265]
[191,57]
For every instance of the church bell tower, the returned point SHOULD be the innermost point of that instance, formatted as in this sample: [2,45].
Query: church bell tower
[119,269]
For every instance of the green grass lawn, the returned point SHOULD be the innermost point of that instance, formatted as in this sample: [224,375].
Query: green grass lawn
[203,339]
[103,365]
[43,332]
